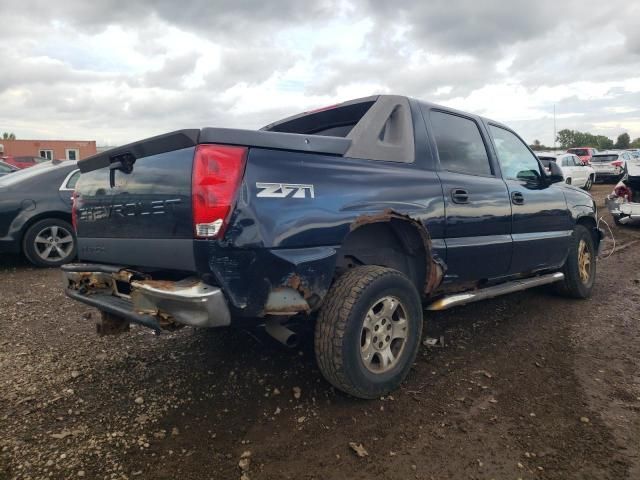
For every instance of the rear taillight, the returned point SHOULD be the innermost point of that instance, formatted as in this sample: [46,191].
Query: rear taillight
[217,173]
[622,191]
[74,210]
[617,163]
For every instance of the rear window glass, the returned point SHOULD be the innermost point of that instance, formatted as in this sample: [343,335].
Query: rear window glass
[546,162]
[26,173]
[581,152]
[332,121]
[460,145]
[604,158]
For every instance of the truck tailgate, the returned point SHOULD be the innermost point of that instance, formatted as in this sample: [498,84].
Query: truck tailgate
[142,218]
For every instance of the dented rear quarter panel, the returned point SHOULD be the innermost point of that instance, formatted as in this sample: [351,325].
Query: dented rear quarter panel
[274,243]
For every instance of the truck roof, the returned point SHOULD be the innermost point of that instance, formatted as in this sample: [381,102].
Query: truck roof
[378,127]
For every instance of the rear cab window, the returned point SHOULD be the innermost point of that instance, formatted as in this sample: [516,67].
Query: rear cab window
[460,146]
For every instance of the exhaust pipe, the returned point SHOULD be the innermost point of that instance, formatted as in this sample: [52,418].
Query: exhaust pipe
[287,337]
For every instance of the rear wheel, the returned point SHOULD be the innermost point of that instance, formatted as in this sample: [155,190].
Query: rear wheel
[580,267]
[368,331]
[49,243]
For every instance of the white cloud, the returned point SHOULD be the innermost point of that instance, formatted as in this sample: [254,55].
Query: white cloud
[116,71]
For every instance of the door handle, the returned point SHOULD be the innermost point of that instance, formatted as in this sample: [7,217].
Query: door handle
[459,195]
[517,198]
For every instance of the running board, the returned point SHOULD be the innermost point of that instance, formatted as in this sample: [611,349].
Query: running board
[489,292]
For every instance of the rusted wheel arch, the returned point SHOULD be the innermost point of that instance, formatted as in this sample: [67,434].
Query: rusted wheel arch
[368,243]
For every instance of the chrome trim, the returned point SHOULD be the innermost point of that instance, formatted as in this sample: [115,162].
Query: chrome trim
[188,301]
[533,236]
[449,301]
[63,186]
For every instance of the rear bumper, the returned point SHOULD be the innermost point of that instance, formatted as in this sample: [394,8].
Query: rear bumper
[608,175]
[623,211]
[155,304]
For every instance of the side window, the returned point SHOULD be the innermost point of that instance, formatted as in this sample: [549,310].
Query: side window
[516,161]
[565,162]
[460,145]
[48,154]
[71,184]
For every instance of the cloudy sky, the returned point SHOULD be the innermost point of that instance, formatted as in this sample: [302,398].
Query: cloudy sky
[120,70]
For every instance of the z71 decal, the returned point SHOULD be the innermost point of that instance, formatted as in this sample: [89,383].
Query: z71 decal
[284,190]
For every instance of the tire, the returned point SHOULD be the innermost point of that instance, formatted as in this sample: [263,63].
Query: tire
[345,350]
[568,181]
[589,184]
[575,283]
[53,235]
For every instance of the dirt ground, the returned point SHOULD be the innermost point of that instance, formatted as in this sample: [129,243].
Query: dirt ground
[526,386]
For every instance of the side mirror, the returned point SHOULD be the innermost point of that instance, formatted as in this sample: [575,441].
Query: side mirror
[555,174]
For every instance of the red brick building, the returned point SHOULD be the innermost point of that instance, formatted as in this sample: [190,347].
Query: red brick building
[51,149]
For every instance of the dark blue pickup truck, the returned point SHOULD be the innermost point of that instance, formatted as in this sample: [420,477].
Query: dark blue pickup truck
[356,217]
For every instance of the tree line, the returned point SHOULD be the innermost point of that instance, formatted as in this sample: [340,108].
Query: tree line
[574,138]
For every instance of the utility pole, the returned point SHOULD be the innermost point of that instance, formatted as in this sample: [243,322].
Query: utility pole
[554,127]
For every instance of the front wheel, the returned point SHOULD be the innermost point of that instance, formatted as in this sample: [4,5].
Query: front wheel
[589,184]
[580,267]
[368,331]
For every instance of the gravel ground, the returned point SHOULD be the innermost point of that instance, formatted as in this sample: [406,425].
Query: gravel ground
[526,386]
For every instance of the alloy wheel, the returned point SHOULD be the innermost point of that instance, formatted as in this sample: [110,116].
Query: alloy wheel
[384,335]
[53,243]
[584,262]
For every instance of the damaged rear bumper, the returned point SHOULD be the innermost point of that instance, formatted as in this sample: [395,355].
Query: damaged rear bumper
[622,210]
[136,298]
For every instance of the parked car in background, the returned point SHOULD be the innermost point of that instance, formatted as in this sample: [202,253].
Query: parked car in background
[583,153]
[624,202]
[610,165]
[23,161]
[573,170]
[635,152]
[35,213]
[6,168]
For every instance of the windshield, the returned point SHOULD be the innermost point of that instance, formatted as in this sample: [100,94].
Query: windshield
[604,158]
[31,172]
[581,152]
